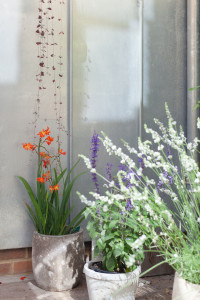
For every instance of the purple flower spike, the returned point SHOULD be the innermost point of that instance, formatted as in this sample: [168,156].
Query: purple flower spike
[95,143]
[129,206]
[141,161]
[108,171]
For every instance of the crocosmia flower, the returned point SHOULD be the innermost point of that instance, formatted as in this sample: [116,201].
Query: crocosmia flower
[42,133]
[54,188]
[43,154]
[29,146]
[49,140]
[46,176]
[41,179]
[61,152]
[47,131]
[46,163]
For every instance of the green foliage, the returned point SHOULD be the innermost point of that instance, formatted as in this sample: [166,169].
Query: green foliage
[112,234]
[51,213]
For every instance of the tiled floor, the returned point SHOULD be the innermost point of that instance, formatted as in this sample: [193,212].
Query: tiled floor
[19,288]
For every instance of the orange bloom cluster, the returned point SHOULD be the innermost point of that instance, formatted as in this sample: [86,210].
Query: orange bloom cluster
[45,157]
[43,133]
[29,146]
[54,188]
[49,140]
[44,178]
[46,161]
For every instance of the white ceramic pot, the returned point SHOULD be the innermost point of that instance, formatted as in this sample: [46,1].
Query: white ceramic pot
[184,290]
[105,286]
[57,260]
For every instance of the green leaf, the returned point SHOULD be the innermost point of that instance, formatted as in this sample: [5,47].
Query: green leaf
[74,221]
[117,252]
[96,251]
[37,208]
[194,88]
[110,264]
[112,224]
[108,237]
[131,224]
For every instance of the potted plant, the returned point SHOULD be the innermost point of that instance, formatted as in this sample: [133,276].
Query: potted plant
[57,246]
[119,237]
[165,197]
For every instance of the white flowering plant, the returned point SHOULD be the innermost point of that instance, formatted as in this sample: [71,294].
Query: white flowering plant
[113,221]
[173,181]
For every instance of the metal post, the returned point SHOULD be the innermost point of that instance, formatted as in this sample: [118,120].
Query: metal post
[193,65]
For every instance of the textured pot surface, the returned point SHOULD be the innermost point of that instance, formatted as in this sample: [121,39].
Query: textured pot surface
[185,290]
[57,260]
[102,286]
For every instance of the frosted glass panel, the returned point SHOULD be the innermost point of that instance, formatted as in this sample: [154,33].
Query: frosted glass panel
[106,74]
[165,60]
[18,94]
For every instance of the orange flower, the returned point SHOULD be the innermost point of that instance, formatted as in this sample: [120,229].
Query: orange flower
[42,133]
[47,131]
[46,163]
[61,152]
[40,179]
[56,187]
[29,146]
[43,154]
[46,176]
[49,140]
[51,189]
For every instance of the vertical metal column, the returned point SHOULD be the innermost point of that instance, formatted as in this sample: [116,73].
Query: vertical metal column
[140,14]
[69,80]
[193,65]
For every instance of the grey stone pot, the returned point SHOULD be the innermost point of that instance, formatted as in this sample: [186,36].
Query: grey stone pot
[57,260]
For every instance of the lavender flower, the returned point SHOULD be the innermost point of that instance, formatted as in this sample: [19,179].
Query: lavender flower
[108,171]
[95,143]
[141,161]
[129,206]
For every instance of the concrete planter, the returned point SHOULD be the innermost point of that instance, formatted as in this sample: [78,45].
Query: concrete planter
[57,260]
[185,290]
[102,286]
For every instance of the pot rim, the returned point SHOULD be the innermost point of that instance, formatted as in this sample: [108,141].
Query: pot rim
[35,232]
[186,281]
[111,277]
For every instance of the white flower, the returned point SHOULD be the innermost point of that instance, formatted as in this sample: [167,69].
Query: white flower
[105,208]
[86,161]
[131,260]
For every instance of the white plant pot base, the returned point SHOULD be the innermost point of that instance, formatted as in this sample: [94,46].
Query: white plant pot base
[184,290]
[104,286]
